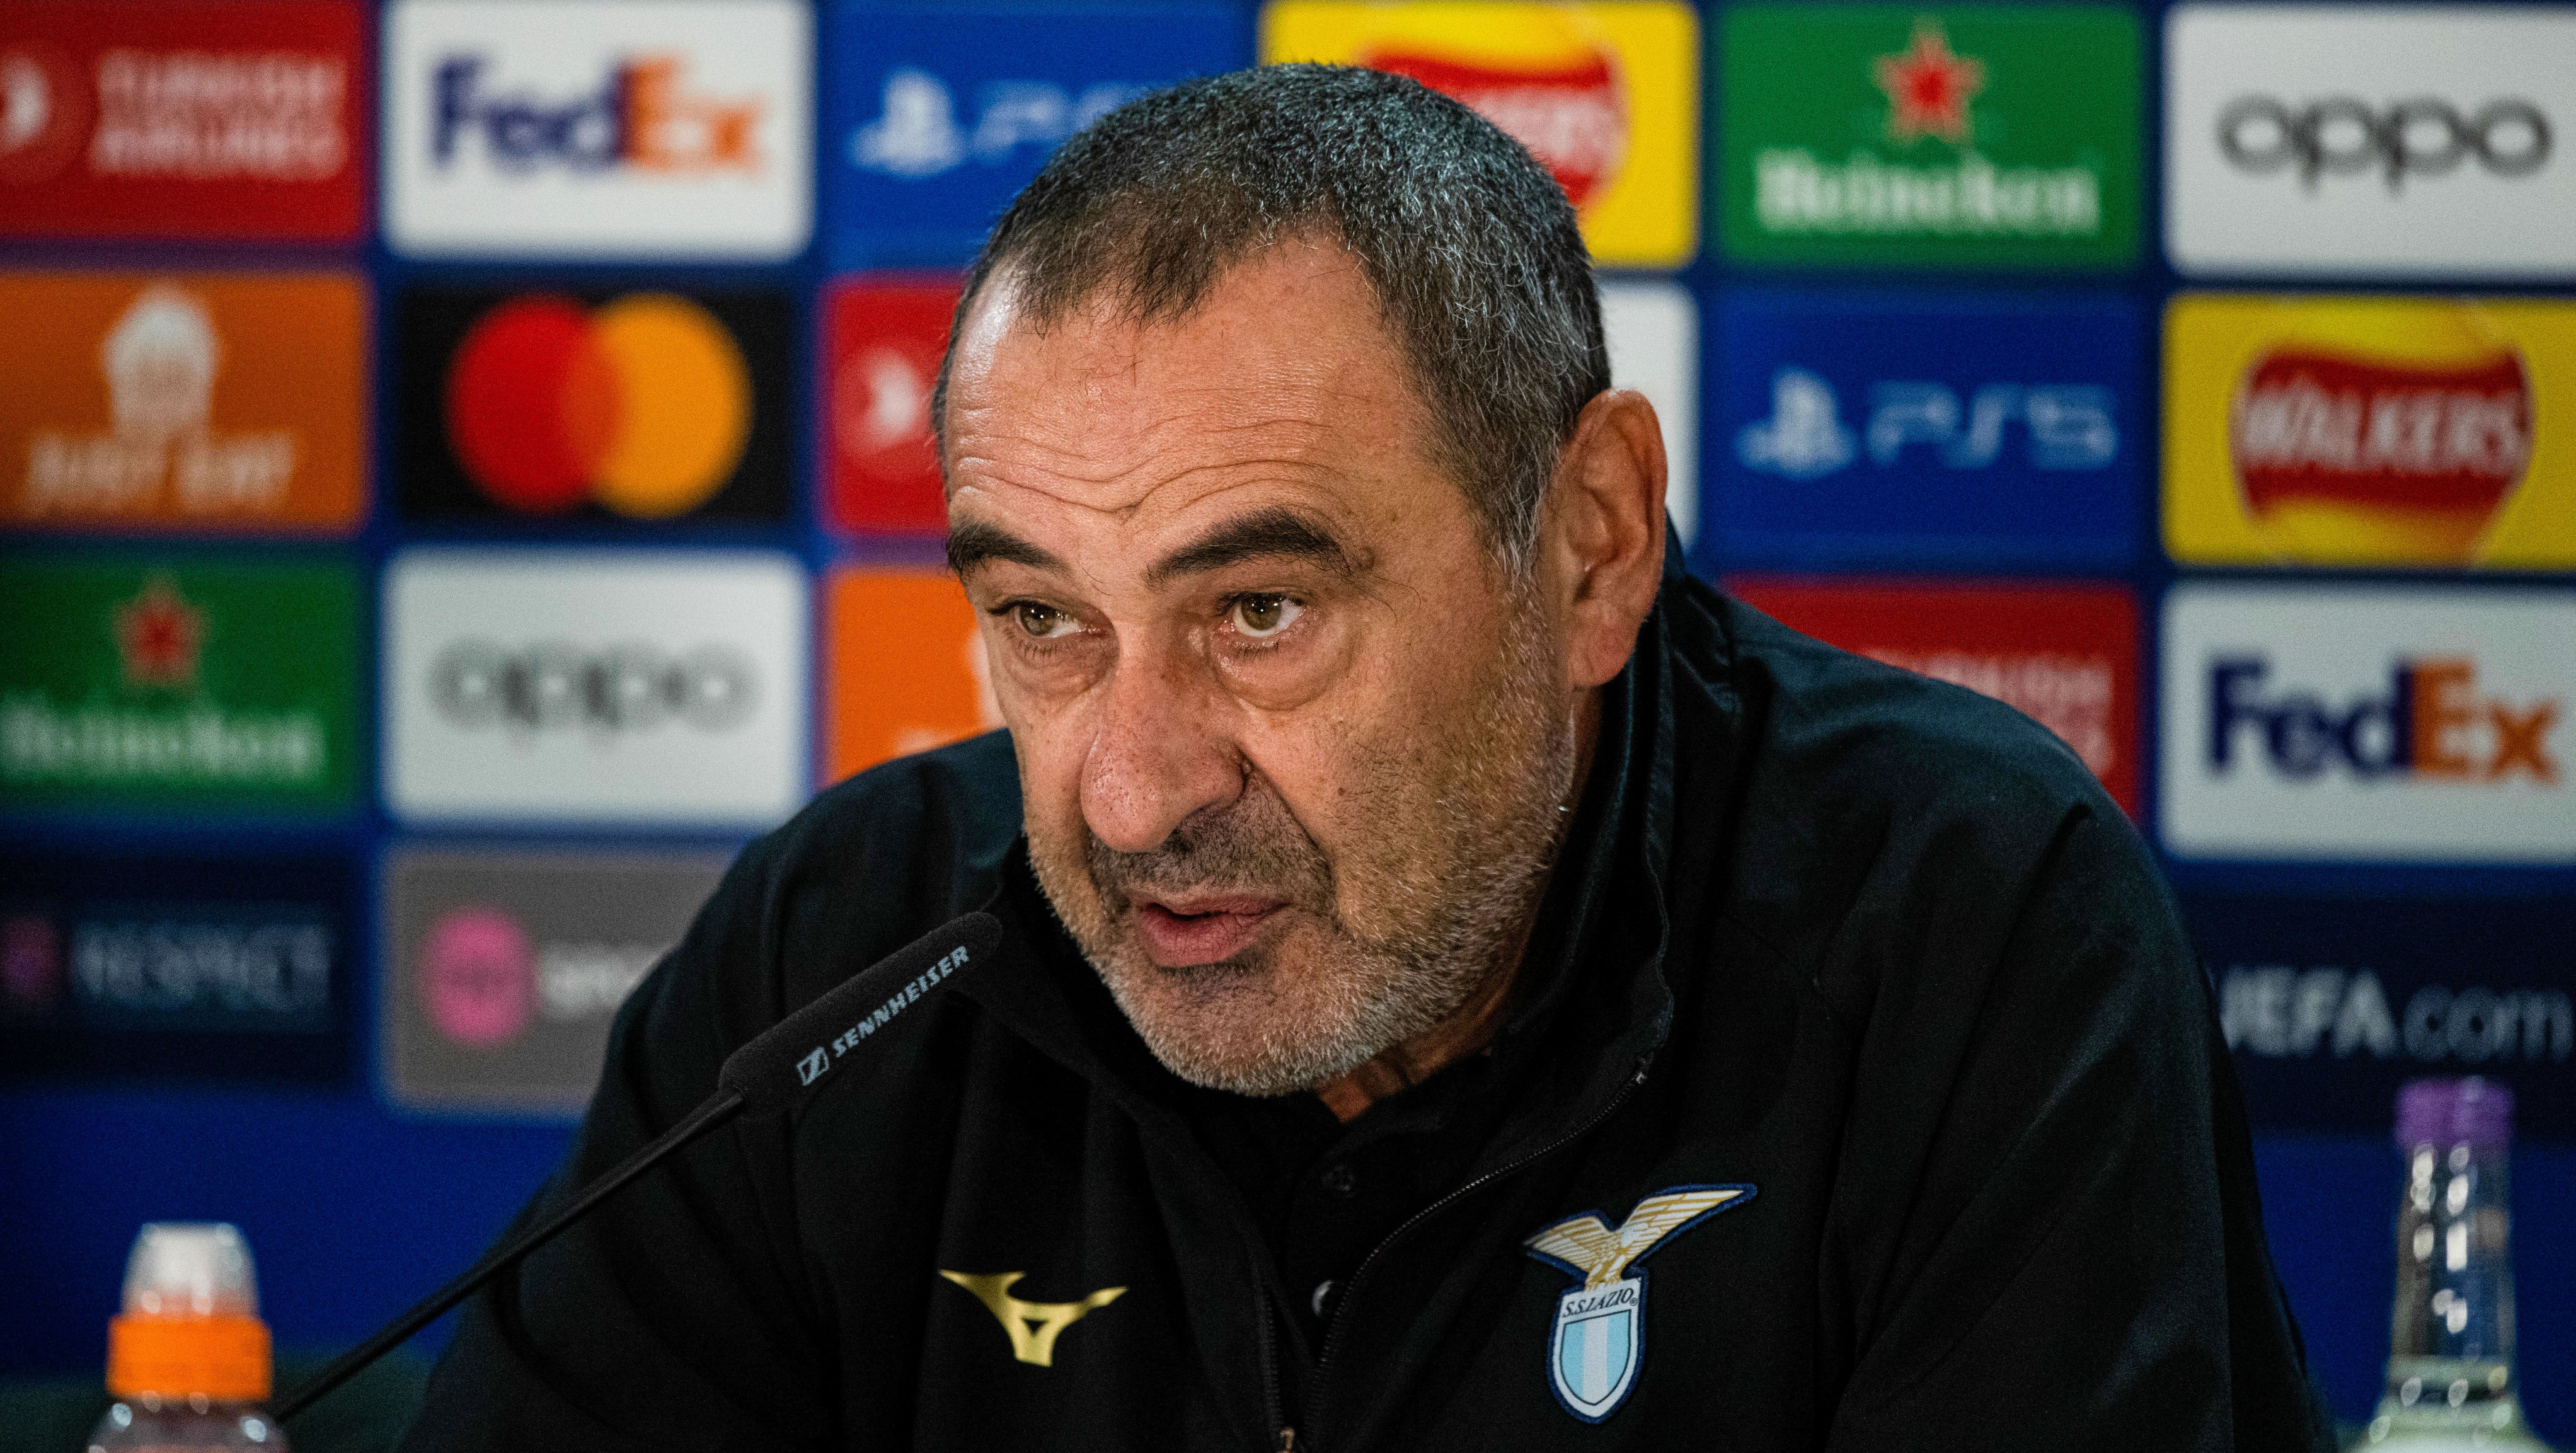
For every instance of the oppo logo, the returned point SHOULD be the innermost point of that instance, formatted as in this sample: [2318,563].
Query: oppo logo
[2341,136]
[627,688]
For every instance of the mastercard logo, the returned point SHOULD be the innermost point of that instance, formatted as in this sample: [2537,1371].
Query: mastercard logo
[642,404]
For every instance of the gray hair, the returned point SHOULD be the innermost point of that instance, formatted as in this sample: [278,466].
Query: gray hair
[1473,251]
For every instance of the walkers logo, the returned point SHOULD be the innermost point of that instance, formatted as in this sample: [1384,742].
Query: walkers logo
[2427,723]
[595,686]
[2329,1003]
[155,687]
[1895,431]
[1652,328]
[627,127]
[940,113]
[234,119]
[1606,96]
[2065,656]
[236,966]
[2352,139]
[907,669]
[204,401]
[2369,432]
[884,339]
[638,406]
[505,968]
[1971,135]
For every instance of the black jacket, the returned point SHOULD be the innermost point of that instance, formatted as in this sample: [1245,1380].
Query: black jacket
[1874,954]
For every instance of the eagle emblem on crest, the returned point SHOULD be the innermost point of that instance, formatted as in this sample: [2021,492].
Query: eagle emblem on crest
[1598,1339]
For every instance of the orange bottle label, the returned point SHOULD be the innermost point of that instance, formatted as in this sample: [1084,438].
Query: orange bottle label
[221,1358]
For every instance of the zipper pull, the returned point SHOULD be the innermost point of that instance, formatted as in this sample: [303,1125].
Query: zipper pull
[1287,1440]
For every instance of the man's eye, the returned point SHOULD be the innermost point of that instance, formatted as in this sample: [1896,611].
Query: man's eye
[1262,616]
[1042,622]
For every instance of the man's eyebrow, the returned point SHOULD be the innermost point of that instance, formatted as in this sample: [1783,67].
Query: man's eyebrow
[974,543]
[1274,532]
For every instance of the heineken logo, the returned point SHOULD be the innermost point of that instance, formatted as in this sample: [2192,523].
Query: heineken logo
[1928,88]
[157,633]
[227,684]
[1974,135]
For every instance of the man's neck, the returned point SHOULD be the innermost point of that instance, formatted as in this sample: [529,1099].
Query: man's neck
[1474,1024]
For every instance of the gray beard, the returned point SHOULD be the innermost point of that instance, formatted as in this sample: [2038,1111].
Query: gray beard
[1464,889]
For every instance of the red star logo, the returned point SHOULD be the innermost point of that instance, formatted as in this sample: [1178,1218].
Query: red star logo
[1928,89]
[158,633]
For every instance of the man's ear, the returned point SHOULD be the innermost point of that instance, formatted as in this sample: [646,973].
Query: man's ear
[1603,533]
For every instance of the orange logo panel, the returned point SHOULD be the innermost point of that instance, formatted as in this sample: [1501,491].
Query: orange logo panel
[904,668]
[222,402]
[2382,431]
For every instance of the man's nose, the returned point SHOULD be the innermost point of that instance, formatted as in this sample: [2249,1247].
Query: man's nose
[1158,754]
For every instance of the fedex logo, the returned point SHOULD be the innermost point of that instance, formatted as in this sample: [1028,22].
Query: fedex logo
[678,130]
[2430,721]
[2416,723]
[643,114]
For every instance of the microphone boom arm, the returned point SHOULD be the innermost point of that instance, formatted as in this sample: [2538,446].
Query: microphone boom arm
[718,1110]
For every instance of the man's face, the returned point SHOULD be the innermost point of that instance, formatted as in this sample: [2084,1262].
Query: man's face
[1296,751]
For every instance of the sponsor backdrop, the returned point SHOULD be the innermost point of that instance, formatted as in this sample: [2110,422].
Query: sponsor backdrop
[465,469]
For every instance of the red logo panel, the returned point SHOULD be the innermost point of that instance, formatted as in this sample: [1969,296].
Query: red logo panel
[2064,655]
[882,345]
[225,119]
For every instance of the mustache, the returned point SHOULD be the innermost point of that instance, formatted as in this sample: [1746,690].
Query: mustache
[1254,845]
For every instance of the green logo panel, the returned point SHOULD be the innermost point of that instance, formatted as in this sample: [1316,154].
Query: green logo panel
[178,683]
[1998,136]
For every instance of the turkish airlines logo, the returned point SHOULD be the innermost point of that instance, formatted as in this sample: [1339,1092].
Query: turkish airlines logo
[1572,116]
[643,115]
[643,404]
[2343,136]
[44,112]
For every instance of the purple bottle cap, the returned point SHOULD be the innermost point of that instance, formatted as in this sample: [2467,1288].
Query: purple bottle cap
[2471,1111]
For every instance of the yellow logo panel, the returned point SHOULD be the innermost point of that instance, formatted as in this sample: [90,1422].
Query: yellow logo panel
[1606,95]
[2416,433]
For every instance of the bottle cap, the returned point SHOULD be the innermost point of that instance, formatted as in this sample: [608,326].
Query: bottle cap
[2471,1111]
[191,1324]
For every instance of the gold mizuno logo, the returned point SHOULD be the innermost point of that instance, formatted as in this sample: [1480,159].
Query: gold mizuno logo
[1033,1326]
[1602,1255]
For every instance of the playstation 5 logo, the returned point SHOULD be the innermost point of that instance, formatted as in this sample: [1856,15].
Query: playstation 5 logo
[917,133]
[2068,426]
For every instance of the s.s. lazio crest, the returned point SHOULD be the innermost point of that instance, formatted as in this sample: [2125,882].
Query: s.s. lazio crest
[1598,1340]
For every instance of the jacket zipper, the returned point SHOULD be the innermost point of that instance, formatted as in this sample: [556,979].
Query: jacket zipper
[1342,1303]
[1272,1406]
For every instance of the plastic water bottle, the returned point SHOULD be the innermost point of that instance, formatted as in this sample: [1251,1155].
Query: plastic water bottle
[188,1361]
[2450,1341]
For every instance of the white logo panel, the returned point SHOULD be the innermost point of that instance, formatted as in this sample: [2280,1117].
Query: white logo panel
[1652,329]
[2380,140]
[623,128]
[634,686]
[2396,723]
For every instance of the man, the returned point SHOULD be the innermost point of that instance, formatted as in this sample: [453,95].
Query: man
[1468,984]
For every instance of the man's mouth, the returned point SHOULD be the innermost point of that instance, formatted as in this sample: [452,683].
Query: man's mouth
[1185,930]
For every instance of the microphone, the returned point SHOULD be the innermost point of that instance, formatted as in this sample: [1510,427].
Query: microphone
[776,1071]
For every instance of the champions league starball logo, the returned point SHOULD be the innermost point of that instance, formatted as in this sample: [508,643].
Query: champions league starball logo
[1598,1339]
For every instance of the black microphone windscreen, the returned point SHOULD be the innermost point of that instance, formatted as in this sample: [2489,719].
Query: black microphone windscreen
[786,1061]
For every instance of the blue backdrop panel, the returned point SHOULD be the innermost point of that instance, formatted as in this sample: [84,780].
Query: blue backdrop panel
[1993,432]
[934,116]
